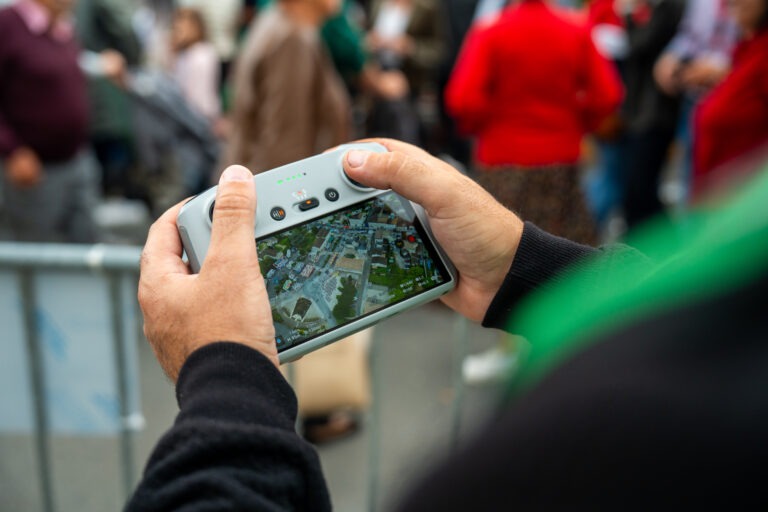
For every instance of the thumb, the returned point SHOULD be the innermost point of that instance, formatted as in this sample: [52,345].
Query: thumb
[232,232]
[420,178]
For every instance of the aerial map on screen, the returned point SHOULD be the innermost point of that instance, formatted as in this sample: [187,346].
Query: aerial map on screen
[334,269]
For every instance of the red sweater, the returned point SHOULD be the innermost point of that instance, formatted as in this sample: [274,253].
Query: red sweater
[733,120]
[530,86]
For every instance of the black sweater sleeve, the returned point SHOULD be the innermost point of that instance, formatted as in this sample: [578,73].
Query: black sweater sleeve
[543,259]
[233,445]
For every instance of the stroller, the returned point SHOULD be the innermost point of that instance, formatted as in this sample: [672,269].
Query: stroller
[176,148]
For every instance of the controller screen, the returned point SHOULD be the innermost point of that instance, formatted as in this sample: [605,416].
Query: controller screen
[348,264]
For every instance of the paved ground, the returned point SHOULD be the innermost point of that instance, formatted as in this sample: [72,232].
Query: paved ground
[413,362]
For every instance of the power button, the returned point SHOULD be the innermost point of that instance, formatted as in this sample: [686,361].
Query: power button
[332,194]
[277,213]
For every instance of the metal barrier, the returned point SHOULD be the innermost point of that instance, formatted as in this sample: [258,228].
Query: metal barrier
[116,264]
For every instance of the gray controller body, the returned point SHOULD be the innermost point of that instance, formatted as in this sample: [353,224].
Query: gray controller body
[337,256]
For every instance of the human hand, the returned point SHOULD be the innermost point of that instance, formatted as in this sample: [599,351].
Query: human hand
[402,46]
[702,74]
[392,85]
[665,72]
[479,235]
[23,168]
[226,301]
[113,66]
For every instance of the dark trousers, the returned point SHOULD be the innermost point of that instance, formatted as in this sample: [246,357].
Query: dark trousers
[645,160]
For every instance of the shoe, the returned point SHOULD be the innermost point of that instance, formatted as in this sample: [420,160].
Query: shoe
[493,365]
[331,427]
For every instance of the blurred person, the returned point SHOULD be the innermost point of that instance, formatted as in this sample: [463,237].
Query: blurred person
[645,386]
[529,86]
[408,35]
[696,60]
[177,109]
[650,115]
[603,184]
[107,25]
[732,120]
[459,16]
[152,22]
[195,63]
[222,20]
[50,178]
[405,36]
[289,101]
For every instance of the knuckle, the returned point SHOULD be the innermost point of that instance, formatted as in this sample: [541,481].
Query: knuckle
[233,203]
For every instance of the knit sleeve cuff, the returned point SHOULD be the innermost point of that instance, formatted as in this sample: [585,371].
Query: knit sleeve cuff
[540,258]
[234,383]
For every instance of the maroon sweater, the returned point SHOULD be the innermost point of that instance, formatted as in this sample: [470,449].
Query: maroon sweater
[43,97]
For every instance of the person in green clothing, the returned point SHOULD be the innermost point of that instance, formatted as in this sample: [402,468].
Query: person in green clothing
[646,386]
[106,25]
[346,45]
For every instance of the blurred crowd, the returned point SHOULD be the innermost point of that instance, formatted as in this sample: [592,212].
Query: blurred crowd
[150,99]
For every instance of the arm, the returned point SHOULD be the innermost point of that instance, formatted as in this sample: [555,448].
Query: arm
[232,446]
[601,92]
[9,141]
[466,95]
[114,20]
[684,43]
[544,259]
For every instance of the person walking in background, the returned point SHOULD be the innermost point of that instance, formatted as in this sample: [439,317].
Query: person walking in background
[529,86]
[406,36]
[107,25]
[650,115]
[222,20]
[696,60]
[289,104]
[50,182]
[732,121]
[289,101]
[603,184]
[195,63]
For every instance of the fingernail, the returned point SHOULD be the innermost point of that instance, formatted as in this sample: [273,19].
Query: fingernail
[236,173]
[356,158]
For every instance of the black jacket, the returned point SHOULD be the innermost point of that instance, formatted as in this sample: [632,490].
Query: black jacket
[668,410]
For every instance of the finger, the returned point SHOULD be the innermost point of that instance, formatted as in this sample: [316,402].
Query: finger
[232,233]
[396,145]
[408,171]
[163,249]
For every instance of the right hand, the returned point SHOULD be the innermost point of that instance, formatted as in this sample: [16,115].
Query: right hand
[666,73]
[23,168]
[479,235]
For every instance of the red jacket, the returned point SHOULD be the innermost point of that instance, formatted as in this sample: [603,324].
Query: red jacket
[733,120]
[529,86]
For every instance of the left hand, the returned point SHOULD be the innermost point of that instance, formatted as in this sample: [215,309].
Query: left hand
[226,301]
